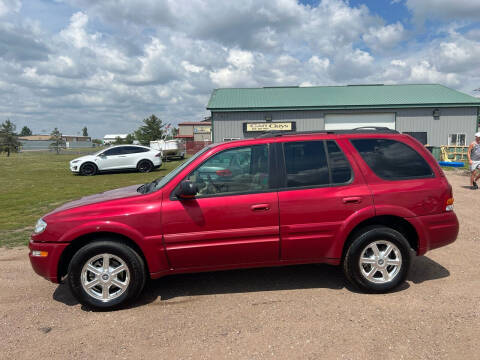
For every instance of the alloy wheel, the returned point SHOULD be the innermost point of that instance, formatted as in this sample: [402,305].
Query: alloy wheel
[380,262]
[105,277]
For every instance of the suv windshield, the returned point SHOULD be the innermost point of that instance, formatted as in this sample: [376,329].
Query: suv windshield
[161,182]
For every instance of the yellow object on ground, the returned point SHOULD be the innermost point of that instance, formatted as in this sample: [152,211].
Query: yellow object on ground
[444,155]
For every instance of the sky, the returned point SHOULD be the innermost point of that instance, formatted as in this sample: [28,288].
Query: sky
[109,64]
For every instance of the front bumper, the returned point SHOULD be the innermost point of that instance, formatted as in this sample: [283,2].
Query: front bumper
[75,167]
[47,266]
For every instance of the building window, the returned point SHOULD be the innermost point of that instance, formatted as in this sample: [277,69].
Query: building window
[457,140]
[419,135]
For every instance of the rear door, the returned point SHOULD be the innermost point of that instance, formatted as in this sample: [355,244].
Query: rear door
[322,188]
[400,177]
[133,155]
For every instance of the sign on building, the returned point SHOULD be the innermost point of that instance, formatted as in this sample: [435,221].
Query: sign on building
[269,126]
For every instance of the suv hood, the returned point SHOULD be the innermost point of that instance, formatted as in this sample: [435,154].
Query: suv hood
[84,158]
[97,198]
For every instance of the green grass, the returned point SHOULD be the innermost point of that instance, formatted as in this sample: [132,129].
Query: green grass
[34,183]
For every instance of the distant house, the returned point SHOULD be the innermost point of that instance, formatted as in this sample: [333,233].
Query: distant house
[111,138]
[195,134]
[195,131]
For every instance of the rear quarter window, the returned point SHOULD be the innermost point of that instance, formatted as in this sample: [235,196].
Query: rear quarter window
[392,160]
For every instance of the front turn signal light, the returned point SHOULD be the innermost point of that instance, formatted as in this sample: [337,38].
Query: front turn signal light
[38,253]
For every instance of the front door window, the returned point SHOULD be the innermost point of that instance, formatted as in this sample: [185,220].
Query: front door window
[239,170]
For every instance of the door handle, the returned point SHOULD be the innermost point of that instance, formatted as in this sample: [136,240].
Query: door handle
[122,155]
[260,207]
[352,200]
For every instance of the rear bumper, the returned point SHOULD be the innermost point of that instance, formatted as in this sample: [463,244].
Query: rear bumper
[46,267]
[438,230]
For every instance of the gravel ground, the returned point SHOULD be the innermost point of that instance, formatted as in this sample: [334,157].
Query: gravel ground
[300,312]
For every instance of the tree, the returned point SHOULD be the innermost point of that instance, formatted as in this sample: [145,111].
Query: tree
[57,140]
[85,131]
[128,140]
[25,131]
[151,131]
[8,139]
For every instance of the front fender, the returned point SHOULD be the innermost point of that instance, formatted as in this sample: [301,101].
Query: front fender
[152,247]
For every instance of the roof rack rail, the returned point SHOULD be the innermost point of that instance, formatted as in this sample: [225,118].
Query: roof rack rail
[362,130]
[267,134]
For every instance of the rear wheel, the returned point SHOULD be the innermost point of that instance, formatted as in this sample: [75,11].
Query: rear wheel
[377,260]
[145,166]
[106,275]
[88,169]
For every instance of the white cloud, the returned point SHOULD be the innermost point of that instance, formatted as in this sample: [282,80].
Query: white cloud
[192,68]
[446,10]
[112,65]
[384,37]
[8,6]
[240,59]
[76,34]
[424,72]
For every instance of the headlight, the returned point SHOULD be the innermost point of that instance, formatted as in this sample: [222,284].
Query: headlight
[74,161]
[40,226]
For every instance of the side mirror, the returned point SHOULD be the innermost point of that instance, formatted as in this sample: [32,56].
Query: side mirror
[102,156]
[186,190]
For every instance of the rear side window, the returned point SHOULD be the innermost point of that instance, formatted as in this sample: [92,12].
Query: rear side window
[306,164]
[392,160]
[315,163]
[339,166]
[134,150]
[114,151]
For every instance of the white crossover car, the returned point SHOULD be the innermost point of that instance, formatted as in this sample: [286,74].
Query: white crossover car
[121,157]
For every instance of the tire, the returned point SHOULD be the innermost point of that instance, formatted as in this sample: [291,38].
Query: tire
[88,169]
[122,284]
[145,166]
[377,260]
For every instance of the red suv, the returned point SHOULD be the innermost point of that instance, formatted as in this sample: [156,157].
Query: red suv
[362,199]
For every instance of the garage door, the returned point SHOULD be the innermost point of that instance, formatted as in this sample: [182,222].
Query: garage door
[352,121]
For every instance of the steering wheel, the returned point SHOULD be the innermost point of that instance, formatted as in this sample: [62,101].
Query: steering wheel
[216,186]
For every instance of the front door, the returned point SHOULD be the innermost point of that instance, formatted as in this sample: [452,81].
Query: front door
[234,217]
[114,158]
[320,192]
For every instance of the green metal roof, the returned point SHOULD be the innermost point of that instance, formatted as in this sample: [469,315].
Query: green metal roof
[338,97]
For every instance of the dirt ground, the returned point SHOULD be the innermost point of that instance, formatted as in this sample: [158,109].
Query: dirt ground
[300,312]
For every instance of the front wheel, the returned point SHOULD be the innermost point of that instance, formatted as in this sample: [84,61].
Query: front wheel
[106,274]
[88,169]
[377,260]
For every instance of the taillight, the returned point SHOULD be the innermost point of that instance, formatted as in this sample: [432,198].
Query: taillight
[449,204]
[158,155]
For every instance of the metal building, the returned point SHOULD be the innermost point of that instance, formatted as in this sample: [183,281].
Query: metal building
[434,114]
